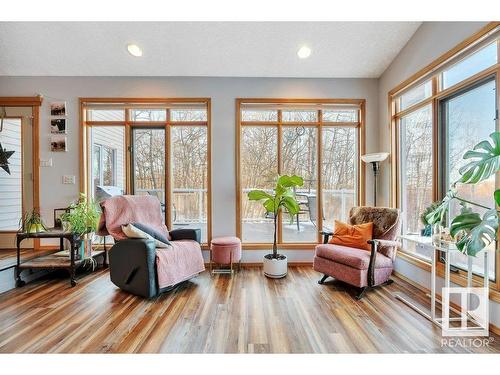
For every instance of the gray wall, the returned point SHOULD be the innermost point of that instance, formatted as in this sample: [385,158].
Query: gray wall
[430,41]
[223,91]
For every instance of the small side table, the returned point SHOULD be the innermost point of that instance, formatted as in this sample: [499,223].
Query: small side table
[51,261]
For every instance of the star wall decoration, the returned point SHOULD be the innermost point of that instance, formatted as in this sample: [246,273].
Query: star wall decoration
[4,156]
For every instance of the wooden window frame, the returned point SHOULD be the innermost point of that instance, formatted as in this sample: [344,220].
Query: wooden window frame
[319,124]
[128,125]
[433,72]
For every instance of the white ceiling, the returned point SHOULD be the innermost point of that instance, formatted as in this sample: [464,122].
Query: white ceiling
[220,49]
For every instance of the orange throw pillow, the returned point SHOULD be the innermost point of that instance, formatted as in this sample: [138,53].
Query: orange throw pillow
[352,235]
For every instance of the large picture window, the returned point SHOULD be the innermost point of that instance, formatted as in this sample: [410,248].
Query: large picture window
[151,147]
[435,119]
[317,140]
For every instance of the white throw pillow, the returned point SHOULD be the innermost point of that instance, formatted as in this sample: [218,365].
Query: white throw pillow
[133,232]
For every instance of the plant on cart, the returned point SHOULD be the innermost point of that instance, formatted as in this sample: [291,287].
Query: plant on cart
[32,222]
[82,219]
[469,230]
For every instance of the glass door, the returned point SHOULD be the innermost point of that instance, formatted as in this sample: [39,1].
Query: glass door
[467,118]
[148,163]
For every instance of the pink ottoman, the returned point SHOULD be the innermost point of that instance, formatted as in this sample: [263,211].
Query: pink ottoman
[225,250]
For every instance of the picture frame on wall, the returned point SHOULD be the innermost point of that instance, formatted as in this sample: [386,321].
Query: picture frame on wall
[58,143]
[58,109]
[58,126]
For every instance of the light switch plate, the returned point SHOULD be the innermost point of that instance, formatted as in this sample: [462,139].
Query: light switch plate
[46,162]
[68,179]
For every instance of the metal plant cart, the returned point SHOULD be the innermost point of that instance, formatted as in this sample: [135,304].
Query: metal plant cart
[446,248]
[51,261]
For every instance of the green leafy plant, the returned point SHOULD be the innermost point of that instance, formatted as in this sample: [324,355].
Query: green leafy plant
[283,197]
[472,232]
[83,216]
[432,207]
[32,222]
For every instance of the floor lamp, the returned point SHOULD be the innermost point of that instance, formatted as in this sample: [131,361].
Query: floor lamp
[375,160]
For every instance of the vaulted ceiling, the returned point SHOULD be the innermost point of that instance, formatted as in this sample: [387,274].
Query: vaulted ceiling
[219,49]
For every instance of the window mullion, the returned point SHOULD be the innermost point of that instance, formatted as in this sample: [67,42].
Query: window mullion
[280,164]
[319,189]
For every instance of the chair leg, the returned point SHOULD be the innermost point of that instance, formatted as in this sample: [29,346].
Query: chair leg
[388,282]
[323,279]
[361,293]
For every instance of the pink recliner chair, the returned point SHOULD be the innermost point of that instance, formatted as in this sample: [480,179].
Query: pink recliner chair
[137,265]
[361,268]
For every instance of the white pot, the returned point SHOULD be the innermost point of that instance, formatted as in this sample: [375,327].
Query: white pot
[275,268]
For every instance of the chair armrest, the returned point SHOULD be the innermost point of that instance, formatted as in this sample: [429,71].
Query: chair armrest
[132,266]
[326,235]
[384,243]
[186,234]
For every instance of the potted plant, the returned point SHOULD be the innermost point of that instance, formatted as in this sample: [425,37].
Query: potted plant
[283,197]
[32,222]
[470,231]
[82,219]
[426,231]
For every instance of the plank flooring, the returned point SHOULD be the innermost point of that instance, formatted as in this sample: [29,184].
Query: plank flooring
[244,314]
[8,257]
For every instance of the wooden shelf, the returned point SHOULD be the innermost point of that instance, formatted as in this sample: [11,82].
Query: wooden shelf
[55,261]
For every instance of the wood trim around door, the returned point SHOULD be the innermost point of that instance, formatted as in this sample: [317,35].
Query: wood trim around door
[34,102]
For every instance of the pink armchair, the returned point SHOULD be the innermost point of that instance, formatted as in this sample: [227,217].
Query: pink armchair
[361,268]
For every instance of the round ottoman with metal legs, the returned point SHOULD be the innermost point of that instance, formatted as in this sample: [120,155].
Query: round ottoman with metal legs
[225,251]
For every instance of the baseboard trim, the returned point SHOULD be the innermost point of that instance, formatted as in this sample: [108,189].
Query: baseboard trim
[493,328]
[259,264]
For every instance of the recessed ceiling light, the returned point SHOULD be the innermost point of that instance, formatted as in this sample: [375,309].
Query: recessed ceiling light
[134,50]
[304,52]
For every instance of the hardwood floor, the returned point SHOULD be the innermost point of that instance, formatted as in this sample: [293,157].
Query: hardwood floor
[244,314]
[8,257]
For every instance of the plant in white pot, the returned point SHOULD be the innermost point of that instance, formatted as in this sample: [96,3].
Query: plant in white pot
[283,197]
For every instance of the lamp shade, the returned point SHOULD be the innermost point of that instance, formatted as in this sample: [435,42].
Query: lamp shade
[372,158]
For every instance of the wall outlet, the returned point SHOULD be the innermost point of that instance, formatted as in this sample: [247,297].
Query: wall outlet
[46,162]
[67,179]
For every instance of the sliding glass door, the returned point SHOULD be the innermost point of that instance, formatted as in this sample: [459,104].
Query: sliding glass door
[155,148]
[148,163]
[469,117]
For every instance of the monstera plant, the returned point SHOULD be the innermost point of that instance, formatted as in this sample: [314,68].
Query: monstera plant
[471,231]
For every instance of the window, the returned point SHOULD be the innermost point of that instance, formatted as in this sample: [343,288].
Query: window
[435,119]
[11,199]
[482,59]
[307,139]
[108,161]
[105,165]
[159,148]
[415,96]
[468,117]
[416,172]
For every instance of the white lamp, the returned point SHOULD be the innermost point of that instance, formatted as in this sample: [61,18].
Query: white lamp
[375,159]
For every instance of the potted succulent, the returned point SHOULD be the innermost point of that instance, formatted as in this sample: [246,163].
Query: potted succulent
[283,197]
[32,222]
[470,231]
[426,231]
[82,219]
